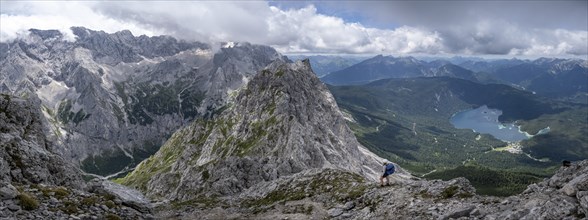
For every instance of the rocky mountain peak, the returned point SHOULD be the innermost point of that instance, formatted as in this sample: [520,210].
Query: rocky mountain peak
[284,122]
[46,34]
[243,52]
[122,46]
[112,99]
[455,71]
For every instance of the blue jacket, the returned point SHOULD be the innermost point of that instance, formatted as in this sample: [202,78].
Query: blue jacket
[389,169]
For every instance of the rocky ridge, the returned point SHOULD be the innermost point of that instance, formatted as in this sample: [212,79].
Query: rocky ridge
[562,196]
[35,183]
[284,122]
[237,166]
[335,194]
[111,100]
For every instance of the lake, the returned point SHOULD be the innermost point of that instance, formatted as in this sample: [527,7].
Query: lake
[484,120]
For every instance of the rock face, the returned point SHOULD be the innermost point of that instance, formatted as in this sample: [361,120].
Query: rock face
[126,196]
[456,199]
[36,183]
[25,157]
[284,122]
[333,194]
[113,99]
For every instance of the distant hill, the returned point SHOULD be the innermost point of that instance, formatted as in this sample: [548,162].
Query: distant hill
[386,67]
[564,79]
[378,67]
[324,64]
[489,66]
[556,78]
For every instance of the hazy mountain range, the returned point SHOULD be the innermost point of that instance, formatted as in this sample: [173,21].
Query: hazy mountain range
[551,77]
[323,64]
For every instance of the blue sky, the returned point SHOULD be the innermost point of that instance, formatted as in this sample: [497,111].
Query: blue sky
[435,28]
[335,9]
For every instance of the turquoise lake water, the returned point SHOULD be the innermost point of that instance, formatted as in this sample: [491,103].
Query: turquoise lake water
[485,121]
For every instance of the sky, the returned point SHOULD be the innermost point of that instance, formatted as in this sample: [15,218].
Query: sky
[433,28]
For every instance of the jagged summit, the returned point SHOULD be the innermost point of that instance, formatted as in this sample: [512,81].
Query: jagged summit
[46,34]
[112,100]
[123,46]
[285,121]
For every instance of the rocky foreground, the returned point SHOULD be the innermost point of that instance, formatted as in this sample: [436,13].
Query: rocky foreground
[334,194]
[37,184]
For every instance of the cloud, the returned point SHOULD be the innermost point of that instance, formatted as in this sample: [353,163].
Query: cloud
[18,17]
[454,27]
[303,30]
[504,38]
[563,14]
[207,21]
[539,28]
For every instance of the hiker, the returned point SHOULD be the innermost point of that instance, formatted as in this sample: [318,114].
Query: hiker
[388,170]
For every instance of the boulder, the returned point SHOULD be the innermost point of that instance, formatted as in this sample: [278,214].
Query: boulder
[128,197]
[348,206]
[334,212]
[578,183]
[8,192]
[459,212]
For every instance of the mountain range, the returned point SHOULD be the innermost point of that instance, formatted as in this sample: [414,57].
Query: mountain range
[385,67]
[247,133]
[111,100]
[323,65]
[564,79]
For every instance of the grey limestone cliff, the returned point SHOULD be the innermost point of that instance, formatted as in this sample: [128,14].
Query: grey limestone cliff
[25,157]
[112,100]
[36,183]
[284,122]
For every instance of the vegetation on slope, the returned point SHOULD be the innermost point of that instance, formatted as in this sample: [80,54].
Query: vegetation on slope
[407,121]
[490,181]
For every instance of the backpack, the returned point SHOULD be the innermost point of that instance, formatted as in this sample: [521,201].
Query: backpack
[390,168]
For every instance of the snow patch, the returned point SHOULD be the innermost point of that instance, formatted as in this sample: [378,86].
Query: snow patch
[229,45]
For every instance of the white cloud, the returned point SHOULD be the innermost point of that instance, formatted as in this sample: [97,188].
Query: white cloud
[17,17]
[304,30]
[195,20]
[297,30]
